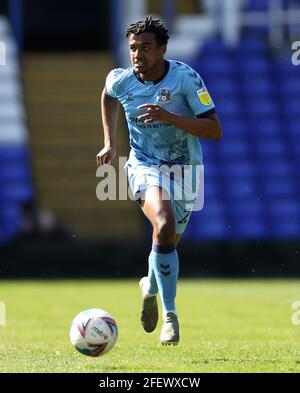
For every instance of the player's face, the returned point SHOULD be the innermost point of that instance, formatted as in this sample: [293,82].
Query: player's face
[145,54]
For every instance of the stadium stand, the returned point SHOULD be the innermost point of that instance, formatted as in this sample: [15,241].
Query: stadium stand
[252,181]
[250,223]
[16,188]
[62,92]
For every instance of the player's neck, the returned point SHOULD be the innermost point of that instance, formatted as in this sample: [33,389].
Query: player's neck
[156,73]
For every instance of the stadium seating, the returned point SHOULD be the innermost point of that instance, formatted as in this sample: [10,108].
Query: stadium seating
[62,98]
[15,171]
[252,178]
[252,181]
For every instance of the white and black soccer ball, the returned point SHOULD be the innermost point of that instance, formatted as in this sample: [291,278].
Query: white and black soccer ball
[93,332]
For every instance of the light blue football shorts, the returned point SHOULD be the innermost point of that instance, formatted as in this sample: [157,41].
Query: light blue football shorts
[182,183]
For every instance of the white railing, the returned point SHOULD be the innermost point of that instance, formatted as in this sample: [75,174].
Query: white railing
[280,22]
[227,17]
[13,129]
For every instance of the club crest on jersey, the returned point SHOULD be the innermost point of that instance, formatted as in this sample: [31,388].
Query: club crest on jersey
[129,97]
[164,96]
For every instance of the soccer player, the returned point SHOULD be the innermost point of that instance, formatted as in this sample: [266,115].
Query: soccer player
[168,109]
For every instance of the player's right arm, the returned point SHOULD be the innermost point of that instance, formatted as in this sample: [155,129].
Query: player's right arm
[110,111]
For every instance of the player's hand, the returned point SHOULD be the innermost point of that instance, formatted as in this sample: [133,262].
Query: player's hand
[105,155]
[154,113]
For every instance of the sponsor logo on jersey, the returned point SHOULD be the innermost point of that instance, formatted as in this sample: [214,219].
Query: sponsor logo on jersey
[204,96]
[164,96]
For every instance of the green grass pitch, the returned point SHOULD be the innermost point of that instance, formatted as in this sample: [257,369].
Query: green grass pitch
[226,326]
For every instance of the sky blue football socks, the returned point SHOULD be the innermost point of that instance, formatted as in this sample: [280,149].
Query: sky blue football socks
[153,288]
[163,274]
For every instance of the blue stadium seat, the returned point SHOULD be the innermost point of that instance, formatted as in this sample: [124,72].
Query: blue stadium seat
[209,156]
[10,218]
[269,168]
[229,108]
[251,45]
[292,126]
[18,192]
[16,172]
[234,127]
[285,217]
[265,126]
[295,149]
[208,223]
[256,86]
[221,64]
[262,30]
[242,188]
[250,227]
[270,147]
[211,170]
[281,187]
[285,207]
[261,107]
[15,177]
[289,86]
[284,68]
[291,106]
[212,189]
[13,154]
[285,228]
[211,229]
[11,211]
[253,175]
[257,5]
[263,5]
[213,208]
[224,88]
[247,208]
[230,150]
[253,66]
[239,169]
[214,47]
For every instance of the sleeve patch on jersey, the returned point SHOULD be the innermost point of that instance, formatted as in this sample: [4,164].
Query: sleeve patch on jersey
[204,96]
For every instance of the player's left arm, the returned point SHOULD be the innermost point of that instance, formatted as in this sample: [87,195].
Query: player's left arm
[206,127]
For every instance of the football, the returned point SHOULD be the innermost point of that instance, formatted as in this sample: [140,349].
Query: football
[93,332]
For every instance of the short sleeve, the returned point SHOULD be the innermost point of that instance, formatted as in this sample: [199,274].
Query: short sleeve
[197,94]
[113,81]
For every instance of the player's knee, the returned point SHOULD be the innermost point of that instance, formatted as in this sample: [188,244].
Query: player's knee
[165,230]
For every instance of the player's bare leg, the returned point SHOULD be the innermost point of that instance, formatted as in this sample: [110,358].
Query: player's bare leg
[158,209]
[177,239]
[148,285]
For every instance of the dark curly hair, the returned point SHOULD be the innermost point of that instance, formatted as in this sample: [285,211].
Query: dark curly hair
[149,25]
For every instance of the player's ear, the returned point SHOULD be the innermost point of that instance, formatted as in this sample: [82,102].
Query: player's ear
[163,49]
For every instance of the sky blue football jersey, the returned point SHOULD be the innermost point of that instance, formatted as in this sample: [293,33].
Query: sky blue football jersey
[180,90]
